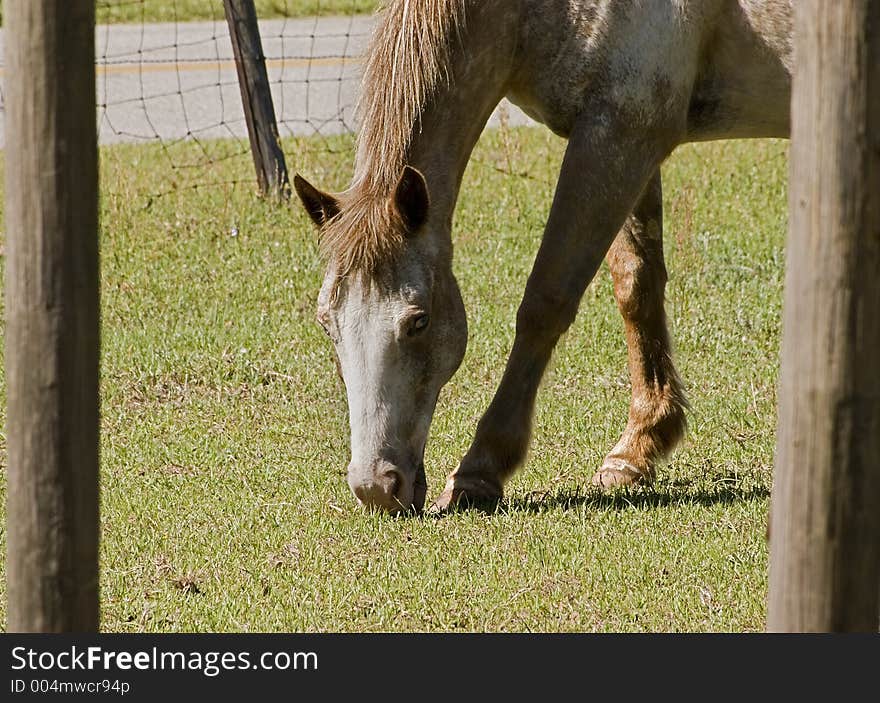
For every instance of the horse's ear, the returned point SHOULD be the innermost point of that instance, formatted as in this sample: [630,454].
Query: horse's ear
[411,199]
[320,206]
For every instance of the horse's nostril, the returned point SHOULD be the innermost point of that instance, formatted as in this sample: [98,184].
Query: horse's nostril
[361,491]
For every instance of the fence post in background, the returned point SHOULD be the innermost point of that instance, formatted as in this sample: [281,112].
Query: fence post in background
[256,97]
[52,336]
[825,515]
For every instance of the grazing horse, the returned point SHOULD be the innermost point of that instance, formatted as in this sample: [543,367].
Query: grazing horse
[625,81]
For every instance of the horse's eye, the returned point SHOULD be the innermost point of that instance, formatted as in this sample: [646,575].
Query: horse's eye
[418,324]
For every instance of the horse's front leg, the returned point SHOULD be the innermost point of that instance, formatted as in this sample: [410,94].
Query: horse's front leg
[606,167]
[657,411]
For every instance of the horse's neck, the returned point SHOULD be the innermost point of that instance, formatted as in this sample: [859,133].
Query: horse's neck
[444,136]
[450,127]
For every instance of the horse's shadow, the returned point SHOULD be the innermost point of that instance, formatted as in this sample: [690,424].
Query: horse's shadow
[723,490]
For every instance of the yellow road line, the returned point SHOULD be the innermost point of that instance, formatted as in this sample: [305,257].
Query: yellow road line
[228,65]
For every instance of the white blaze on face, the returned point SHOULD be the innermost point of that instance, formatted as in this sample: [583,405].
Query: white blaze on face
[367,357]
[390,399]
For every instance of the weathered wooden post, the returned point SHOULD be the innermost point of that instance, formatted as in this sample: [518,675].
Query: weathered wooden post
[51,315]
[256,97]
[825,516]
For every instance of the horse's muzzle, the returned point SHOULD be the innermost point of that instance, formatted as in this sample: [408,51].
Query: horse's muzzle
[384,486]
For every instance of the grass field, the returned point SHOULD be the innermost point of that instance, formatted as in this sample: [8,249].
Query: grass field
[136,11]
[224,503]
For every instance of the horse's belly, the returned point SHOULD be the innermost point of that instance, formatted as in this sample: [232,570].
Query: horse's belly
[734,113]
[743,86]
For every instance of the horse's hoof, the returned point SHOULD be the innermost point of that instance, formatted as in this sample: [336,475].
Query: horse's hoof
[446,501]
[466,493]
[619,473]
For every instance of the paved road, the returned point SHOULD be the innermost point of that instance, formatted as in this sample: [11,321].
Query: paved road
[176,81]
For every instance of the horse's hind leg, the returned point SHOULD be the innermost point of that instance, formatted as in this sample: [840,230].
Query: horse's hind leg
[657,412]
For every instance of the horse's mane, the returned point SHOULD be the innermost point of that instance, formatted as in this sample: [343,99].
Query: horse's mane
[409,58]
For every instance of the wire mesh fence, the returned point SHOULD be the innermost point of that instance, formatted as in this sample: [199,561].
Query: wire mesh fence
[185,84]
[166,78]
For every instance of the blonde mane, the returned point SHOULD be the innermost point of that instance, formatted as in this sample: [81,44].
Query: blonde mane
[409,58]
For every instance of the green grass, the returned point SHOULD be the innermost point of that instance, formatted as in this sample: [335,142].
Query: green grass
[224,502]
[137,11]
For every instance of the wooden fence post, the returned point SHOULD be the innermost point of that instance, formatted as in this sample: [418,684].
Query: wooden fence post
[256,97]
[825,514]
[52,343]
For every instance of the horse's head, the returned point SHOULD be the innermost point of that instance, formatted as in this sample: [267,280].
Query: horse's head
[392,307]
